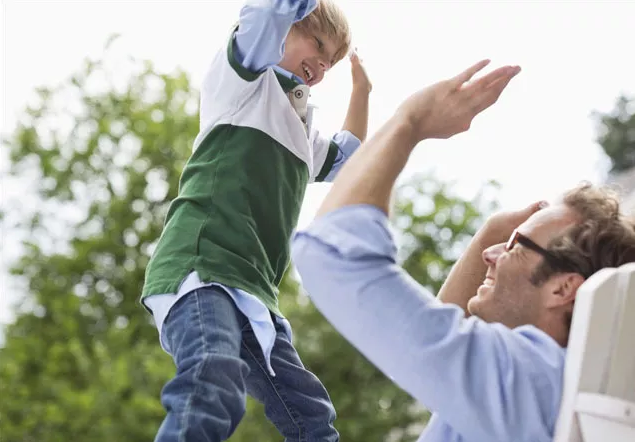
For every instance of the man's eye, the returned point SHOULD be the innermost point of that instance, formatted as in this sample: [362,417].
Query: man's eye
[516,248]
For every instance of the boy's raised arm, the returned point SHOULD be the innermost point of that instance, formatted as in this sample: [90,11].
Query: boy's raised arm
[356,121]
[262,29]
[355,128]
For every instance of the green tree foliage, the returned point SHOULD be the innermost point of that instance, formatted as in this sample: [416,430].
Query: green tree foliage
[82,361]
[617,134]
[436,226]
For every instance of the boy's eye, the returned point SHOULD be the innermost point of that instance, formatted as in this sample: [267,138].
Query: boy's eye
[319,43]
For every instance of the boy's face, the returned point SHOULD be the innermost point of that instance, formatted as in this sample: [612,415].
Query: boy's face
[308,56]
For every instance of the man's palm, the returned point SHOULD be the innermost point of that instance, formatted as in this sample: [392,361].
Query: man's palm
[448,107]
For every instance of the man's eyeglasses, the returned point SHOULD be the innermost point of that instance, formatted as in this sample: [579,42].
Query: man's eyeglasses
[554,261]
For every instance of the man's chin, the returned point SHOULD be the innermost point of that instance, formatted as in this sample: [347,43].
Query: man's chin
[477,305]
[473,305]
[484,290]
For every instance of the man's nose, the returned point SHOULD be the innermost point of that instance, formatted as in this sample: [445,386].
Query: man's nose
[491,254]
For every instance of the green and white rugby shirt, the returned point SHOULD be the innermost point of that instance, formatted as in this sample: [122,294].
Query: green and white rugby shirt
[241,191]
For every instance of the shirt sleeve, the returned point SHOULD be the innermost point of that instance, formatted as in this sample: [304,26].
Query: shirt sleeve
[262,30]
[483,379]
[329,155]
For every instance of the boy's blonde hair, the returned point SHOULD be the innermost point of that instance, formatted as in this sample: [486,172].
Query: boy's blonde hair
[328,19]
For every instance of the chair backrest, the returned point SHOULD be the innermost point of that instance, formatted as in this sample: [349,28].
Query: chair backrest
[598,400]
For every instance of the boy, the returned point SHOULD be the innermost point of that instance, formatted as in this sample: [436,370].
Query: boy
[212,281]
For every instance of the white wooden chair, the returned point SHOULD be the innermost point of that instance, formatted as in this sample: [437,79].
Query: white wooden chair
[598,401]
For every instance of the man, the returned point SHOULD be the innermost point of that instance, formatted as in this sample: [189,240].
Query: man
[494,376]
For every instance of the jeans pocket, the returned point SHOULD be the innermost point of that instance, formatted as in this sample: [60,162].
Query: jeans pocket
[163,338]
[174,319]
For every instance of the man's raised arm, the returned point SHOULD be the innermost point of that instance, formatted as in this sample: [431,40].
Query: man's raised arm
[440,111]
[463,369]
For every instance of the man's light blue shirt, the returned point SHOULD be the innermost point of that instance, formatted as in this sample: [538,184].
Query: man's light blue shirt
[483,382]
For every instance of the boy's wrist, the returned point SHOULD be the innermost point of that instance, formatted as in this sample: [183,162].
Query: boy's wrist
[362,88]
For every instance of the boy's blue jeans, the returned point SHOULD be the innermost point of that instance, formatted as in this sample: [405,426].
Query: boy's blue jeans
[219,362]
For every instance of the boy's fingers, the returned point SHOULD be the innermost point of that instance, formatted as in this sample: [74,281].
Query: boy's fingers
[355,57]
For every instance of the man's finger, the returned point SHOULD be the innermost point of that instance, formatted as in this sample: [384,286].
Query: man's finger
[465,76]
[485,98]
[491,78]
[533,208]
[523,215]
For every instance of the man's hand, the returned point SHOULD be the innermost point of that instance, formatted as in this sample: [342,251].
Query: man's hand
[439,111]
[499,227]
[361,81]
[448,107]
[470,270]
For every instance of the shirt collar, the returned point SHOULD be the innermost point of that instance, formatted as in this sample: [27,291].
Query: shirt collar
[287,80]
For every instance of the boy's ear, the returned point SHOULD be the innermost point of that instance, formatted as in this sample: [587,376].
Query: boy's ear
[563,288]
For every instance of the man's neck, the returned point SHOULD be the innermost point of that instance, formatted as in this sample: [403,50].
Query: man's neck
[554,326]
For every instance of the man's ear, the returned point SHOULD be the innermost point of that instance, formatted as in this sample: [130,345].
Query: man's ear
[563,289]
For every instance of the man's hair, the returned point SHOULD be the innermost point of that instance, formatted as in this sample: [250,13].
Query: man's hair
[328,19]
[601,237]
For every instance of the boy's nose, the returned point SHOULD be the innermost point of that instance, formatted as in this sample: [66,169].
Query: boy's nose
[324,65]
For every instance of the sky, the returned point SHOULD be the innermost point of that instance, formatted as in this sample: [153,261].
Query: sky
[537,141]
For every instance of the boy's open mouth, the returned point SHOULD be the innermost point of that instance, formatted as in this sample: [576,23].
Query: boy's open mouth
[308,73]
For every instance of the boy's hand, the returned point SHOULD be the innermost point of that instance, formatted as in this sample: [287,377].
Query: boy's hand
[448,107]
[358,72]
